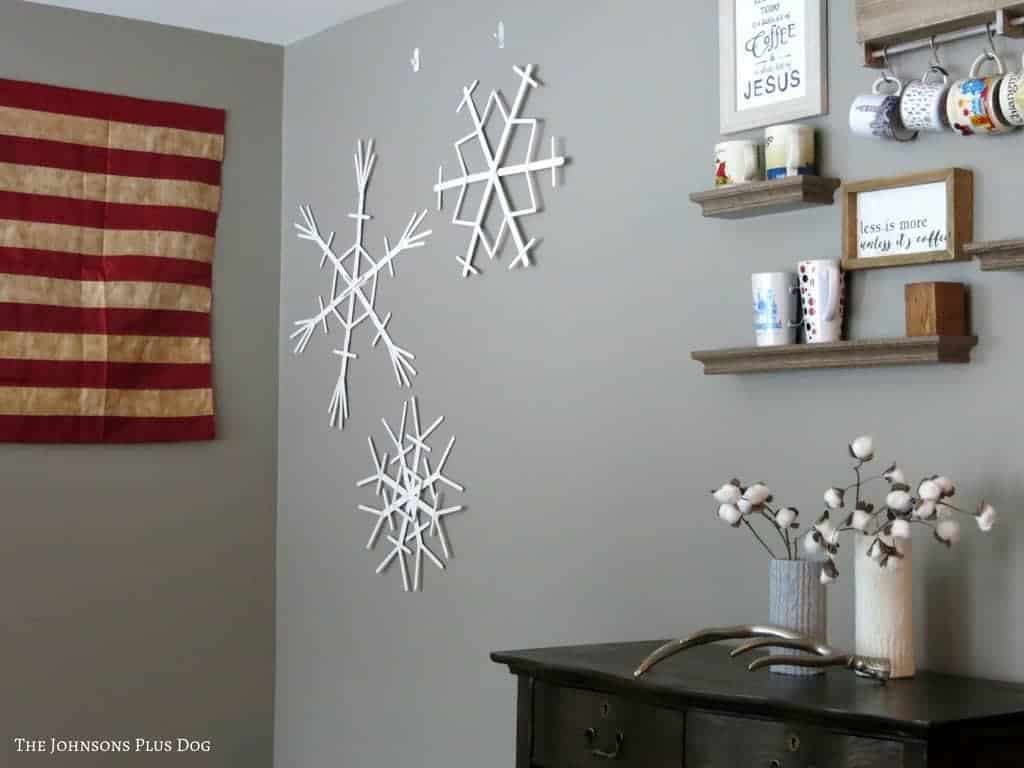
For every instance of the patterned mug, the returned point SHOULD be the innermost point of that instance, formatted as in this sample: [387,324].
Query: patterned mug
[737,162]
[1011,98]
[973,104]
[774,305]
[923,107]
[823,297]
[877,114]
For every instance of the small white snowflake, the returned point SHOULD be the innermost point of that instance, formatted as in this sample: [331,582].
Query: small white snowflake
[497,172]
[353,293]
[411,504]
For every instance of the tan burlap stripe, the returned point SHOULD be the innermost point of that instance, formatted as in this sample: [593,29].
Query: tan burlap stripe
[130,403]
[86,347]
[59,182]
[33,124]
[87,294]
[111,242]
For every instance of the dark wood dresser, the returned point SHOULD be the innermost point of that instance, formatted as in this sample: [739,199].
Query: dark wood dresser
[581,707]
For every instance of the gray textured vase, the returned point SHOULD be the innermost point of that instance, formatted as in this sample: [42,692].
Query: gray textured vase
[797,601]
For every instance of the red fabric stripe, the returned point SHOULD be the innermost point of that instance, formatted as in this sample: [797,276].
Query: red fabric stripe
[59,373]
[90,213]
[105,106]
[42,318]
[104,429]
[118,162]
[74,266]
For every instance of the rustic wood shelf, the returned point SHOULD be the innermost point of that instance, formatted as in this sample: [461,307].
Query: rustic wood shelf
[866,353]
[998,255]
[742,201]
[764,198]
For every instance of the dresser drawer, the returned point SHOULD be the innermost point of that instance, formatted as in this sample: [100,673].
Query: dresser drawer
[574,728]
[714,741]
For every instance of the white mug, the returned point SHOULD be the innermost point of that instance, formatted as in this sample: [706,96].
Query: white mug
[776,313]
[822,295]
[789,151]
[1011,98]
[923,106]
[877,114]
[737,162]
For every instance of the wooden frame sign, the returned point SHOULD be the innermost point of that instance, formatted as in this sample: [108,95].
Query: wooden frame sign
[923,218]
[773,61]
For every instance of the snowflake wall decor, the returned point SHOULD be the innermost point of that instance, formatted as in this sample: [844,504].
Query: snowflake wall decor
[407,487]
[498,170]
[353,295]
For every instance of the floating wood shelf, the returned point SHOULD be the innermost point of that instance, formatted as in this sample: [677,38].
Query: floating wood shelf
[866,353]
[998,255]
[742,201]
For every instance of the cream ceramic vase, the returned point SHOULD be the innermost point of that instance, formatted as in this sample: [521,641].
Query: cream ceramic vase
[885,607]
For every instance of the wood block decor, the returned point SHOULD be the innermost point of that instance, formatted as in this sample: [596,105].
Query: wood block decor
[936,309]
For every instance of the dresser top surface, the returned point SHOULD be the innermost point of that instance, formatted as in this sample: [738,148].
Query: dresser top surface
[706,676]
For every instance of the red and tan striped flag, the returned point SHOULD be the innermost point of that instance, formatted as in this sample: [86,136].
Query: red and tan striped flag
[108,213]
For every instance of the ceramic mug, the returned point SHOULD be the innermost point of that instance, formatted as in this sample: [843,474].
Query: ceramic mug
[737,162]
[972,106]
[1011,98]
[877,114]
[776,309]
[789,151]
[923,106]
[822,295]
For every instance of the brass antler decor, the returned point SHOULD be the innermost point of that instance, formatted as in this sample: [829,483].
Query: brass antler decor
[818,655]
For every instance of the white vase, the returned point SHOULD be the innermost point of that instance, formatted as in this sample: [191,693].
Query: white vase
[885,607]
[797,601]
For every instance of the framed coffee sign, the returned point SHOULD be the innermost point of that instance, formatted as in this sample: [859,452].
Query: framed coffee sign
[918,219]
[773,61]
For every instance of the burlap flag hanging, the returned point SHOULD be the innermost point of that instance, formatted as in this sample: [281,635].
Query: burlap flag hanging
[108,215]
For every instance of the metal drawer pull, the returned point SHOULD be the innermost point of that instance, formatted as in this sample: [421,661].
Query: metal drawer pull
[591,736]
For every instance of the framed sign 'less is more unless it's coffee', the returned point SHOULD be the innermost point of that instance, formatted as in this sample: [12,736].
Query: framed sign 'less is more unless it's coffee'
[773,61]
[918,219]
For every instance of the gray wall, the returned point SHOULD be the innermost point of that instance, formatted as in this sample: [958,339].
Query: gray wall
[587,437]
[137,583]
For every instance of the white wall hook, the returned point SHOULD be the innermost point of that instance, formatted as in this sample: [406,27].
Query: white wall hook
[500,34]
[415,61]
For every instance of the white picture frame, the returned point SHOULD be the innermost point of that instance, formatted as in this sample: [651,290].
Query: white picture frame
[797,28]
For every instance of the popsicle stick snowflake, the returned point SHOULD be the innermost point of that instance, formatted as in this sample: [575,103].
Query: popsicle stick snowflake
[353,295]
[411,504]
[500,169]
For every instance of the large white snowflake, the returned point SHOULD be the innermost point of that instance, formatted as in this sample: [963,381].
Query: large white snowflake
[497,173]
[353,293]
[411,507]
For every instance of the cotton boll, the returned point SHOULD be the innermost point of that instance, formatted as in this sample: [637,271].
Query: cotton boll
[900,529]
[926,510]
[948,532]
[899,501]
[829,572]
[834,498]
[946,486]
[757,494]
[785,517]
[860,519]
[812,545]
[895,475]
[744,506]
[929,490]
[727,494]
[863,448]
[730,514]
[986,517]
[876,551]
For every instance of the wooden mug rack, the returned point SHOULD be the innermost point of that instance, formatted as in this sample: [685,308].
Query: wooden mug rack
[889,27]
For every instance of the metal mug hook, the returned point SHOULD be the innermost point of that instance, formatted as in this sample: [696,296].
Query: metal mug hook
[991,53]
[936,61]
